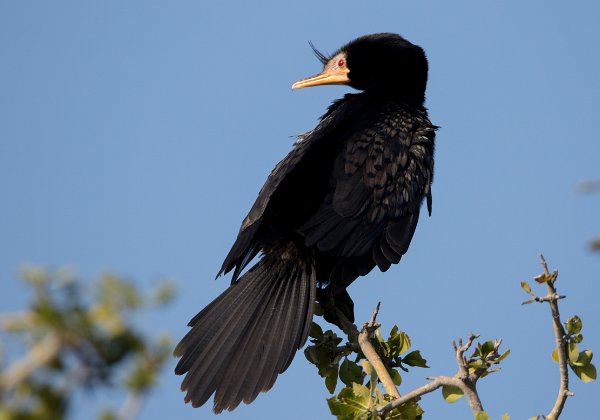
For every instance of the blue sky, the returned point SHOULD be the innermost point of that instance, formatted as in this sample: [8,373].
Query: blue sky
[134,136]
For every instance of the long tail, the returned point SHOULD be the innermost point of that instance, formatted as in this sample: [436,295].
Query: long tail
[248,335]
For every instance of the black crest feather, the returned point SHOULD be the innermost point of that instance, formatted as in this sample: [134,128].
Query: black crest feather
[323,58]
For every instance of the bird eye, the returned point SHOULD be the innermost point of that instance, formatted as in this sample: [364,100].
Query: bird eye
[341,63]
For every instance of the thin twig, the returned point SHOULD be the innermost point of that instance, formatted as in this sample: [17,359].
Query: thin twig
[371,354]
[460,350]
[547,298]
[559,335]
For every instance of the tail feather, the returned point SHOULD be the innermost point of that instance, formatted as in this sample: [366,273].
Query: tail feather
[206,327]
[284,334]
[245,338]
[254,354]
[240,366]
[210,357]
[265,357]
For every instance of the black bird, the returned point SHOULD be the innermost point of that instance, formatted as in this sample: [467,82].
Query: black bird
[344,200]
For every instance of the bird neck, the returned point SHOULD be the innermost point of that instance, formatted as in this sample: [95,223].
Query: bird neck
[413,98]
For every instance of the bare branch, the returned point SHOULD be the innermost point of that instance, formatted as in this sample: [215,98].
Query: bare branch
[436,383]
[561,345]
[371,354]
[41,353]
[460,350]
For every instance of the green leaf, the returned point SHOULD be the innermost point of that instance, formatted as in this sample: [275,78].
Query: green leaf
[318,355]
[316,331]
[505,417]
[477,364]
[367,367]
[396,378]
[525,286]
[543,278]
[363,393]
[344,407]
[350,373]
[384,346]
[585,358]
[586,373]
[503,356]
[451,393]
[554,355]
[405,343]
[395,343]
[415,359]
[331,378]
[574,325]
[573,352]
[482,415]
[406,412]
[351,403]
[486,348]
[331,338]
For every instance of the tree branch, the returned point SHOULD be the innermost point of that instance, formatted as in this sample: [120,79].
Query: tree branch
[436,383]
[460,350]
[131,407]
[16,321]
[559,335]
[371,354]
[463,381]
[41,353]
[349,329]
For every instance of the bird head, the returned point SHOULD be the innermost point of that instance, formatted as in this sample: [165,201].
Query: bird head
[385,64]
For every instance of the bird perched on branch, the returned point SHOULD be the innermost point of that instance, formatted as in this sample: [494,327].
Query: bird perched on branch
[345,200]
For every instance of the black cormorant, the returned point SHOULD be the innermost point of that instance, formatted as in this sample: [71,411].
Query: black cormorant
[344,200]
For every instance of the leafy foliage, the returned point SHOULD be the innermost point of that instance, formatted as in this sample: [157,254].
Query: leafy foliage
[75,342]
[481,363]
[580,362]
[357,399]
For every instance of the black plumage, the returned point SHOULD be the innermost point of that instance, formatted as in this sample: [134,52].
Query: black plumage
[344,200]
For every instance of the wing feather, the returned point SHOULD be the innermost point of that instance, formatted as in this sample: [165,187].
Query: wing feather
[378,183]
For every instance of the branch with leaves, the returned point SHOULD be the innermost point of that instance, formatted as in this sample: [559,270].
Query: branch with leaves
[367,356]
[480,364]
[566,352]
[75,342]
[379,361]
